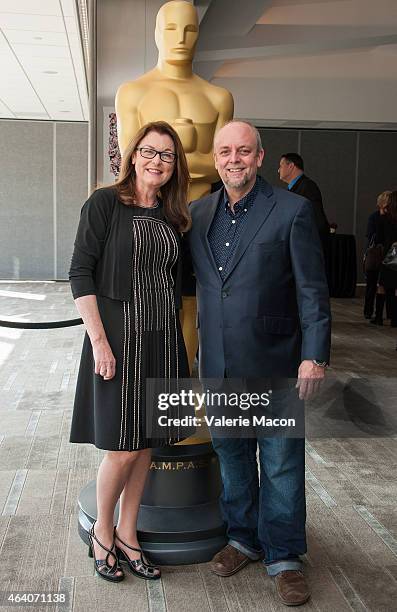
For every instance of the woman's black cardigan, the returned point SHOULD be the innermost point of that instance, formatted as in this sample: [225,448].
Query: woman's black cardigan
[102,257]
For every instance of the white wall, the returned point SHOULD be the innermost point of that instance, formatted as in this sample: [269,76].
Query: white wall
[43,185]
[320,99]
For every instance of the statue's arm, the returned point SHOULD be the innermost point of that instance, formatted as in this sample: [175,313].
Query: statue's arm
[127,98]
[226,108]
[201,166]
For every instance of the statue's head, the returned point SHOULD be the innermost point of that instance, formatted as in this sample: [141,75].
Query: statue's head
[176,32]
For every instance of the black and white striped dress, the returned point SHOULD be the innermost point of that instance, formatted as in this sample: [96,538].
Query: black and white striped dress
[146,340]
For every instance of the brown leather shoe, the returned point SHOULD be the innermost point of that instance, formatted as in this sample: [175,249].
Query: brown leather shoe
[228,561]
[292,587]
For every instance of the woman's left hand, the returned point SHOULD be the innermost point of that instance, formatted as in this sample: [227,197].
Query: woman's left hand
[105,363]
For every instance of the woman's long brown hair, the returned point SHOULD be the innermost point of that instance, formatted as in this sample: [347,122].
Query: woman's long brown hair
[174,193]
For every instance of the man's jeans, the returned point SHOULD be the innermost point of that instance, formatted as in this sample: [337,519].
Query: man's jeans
[268,519]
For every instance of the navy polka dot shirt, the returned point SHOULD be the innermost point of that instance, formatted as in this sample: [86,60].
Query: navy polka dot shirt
[227,227]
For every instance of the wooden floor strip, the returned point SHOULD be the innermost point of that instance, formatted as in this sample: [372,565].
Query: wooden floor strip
[320,490]
[314,454]
[15,493]
[33,421]
[155,594]
[66,586]
[347,590]
[379,529]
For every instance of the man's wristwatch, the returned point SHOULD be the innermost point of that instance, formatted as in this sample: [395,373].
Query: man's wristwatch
[321,364]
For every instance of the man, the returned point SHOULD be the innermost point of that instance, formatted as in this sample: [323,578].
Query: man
[263,310]
[291,172]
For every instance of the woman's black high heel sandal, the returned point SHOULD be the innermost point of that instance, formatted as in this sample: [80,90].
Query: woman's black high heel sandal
[139,567]
[102,567]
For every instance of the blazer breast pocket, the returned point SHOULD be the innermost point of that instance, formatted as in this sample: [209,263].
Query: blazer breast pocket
[268,245]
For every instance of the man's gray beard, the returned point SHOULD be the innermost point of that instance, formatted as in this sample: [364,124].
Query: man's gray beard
[244,181]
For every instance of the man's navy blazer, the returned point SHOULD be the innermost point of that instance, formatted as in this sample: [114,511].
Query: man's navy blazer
[272,309]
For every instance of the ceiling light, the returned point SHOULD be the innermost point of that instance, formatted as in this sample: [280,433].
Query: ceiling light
[83,25]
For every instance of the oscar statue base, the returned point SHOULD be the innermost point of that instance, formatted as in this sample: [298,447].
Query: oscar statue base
[179,520]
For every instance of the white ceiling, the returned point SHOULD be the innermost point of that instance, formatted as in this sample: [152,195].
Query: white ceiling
[309,63]
[41,62]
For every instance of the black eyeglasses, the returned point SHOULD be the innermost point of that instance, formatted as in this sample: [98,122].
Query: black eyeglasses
[165,156]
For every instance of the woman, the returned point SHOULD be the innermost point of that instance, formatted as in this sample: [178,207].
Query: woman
[125,278]
[386,235]
[371,276]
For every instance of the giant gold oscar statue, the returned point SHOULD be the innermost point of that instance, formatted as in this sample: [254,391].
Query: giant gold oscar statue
[194,107]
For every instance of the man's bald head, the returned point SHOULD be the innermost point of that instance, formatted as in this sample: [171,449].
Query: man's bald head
[230,126]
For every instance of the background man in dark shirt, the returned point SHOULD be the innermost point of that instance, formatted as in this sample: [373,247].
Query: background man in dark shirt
[291,172]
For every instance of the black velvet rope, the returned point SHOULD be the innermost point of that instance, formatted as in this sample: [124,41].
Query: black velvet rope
[49,325]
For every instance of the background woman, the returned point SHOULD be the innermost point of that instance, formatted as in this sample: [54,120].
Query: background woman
[386,234]
[371,276]
[125,278]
